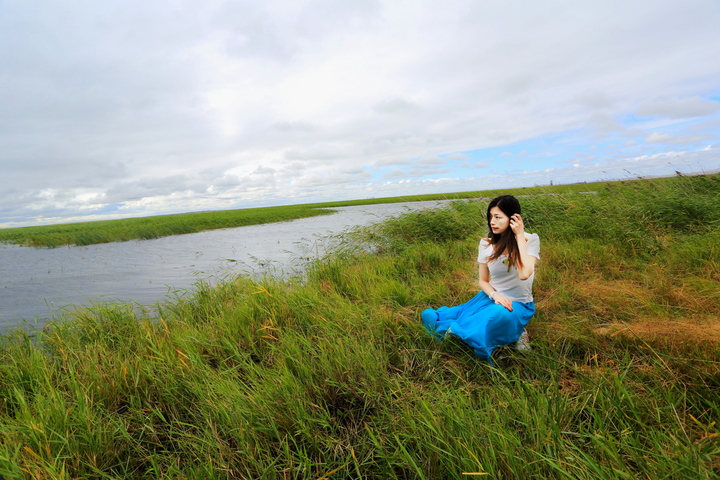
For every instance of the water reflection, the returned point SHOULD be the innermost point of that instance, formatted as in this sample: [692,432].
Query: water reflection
[35,283]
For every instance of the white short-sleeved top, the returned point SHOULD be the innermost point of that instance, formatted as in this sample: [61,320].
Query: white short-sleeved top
[506,280]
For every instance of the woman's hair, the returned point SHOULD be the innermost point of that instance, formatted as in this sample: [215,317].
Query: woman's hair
[505,242]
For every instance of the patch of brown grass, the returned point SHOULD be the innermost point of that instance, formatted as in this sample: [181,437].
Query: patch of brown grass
[674,334]
[616,299]
[652,313]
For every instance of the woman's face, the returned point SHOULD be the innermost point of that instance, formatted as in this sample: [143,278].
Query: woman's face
[499,222]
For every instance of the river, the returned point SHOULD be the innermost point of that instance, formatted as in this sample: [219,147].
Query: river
[37,284]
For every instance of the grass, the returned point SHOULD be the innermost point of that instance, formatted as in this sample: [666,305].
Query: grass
[144,228]
[331,376]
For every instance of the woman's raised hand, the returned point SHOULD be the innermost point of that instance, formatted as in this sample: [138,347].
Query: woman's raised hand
[516,225]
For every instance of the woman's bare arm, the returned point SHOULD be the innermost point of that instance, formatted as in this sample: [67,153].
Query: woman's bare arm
[484,277]
[528,261]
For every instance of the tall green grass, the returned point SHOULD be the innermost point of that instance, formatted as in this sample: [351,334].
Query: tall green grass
[331,375]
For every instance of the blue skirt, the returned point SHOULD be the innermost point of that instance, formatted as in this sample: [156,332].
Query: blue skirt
[481,323]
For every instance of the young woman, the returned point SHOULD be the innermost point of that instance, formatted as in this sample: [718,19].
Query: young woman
[498,314]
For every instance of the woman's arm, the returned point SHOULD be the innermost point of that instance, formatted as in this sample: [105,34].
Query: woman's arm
[484,276]
[528,261]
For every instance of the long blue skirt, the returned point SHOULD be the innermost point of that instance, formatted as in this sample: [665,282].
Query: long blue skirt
[481,323]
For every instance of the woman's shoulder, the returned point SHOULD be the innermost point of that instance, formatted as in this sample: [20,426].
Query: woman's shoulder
[533,244]
[485,249]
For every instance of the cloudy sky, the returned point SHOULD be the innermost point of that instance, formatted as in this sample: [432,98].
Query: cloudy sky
[114,108]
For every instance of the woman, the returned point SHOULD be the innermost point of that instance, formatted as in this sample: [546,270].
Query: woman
[498,314]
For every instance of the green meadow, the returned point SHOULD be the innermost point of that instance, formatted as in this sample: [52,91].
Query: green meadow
[144,228]
[330,375]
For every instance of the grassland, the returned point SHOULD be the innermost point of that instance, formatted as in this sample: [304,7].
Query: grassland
[331,375]
[143,228]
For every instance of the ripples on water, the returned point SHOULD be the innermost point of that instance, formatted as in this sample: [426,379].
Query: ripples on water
[36,283]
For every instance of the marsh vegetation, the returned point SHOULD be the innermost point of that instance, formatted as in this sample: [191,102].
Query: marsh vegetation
[330,375]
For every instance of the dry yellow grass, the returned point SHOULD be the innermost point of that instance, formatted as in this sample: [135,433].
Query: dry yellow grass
[675,333]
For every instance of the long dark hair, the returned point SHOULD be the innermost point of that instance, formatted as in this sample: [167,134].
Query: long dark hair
[505,242]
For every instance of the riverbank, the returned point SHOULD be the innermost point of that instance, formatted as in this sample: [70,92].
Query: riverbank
[331,376]
[35,283]
[144,228]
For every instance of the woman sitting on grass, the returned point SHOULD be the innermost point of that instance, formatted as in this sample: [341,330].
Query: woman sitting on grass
[498,314]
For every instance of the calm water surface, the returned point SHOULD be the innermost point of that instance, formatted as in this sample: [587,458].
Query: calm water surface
[36,284]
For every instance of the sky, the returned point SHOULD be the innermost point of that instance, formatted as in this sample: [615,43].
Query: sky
[113,109]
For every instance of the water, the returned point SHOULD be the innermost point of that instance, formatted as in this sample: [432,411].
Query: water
[36,284]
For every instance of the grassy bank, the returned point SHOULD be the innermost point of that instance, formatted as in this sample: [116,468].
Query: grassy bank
[144,228]
[105,231]
[331,376]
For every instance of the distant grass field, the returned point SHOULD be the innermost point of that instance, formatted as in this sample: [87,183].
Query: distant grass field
[105,231]
[331,376]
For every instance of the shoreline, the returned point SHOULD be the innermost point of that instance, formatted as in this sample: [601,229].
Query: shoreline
[141,228]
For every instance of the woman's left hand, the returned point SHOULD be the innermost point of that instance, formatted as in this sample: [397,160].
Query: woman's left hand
[516,225]
[504,301]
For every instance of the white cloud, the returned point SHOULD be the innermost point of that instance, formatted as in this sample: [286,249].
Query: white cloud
[668,139]
[395,105]
[604,124]
[316,152]
[330,179]
[680,107]
[120,107]
[429,160]
[420,172]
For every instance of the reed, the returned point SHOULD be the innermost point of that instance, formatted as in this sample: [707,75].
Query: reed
[330,375]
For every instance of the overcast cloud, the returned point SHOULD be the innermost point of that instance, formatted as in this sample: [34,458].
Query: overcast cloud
[114,108]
